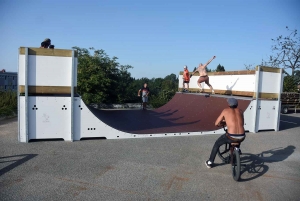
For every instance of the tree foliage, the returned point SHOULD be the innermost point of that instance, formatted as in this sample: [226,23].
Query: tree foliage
[101,79]
[208,69]
[286,52]
[286,55]
[289,84]
[94,72]
[220,68]
[8,103]
[249,66]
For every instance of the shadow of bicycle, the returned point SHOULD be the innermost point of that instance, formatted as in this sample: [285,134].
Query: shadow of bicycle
[254,166]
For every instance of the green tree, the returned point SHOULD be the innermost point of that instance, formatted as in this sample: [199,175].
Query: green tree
[122,89]
[162,90]
[249,66]
[220,68]
[289,84]
[286,52]
[208,69]
[100,79]
[8,103]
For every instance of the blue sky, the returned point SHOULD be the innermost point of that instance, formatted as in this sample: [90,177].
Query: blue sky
[156,37]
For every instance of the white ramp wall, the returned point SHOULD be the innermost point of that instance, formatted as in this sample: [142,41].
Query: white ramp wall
[64,115]
[47,67]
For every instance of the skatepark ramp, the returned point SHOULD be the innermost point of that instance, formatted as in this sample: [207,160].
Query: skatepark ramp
[49,107]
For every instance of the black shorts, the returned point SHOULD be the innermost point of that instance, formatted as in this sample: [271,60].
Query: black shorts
[186,81]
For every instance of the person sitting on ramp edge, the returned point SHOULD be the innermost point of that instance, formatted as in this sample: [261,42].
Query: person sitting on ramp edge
[234,119]
[46,43]
[145,92]
[203,76]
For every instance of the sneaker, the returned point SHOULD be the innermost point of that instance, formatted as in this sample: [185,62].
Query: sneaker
[208,164]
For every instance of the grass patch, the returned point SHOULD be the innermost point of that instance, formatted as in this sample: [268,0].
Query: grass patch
[8,103]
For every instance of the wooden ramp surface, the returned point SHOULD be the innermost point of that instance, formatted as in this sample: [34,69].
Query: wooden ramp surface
[184,113]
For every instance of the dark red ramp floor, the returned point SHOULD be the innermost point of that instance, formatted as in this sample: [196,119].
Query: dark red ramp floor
[184,113]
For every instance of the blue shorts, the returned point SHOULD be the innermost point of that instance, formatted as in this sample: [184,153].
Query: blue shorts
[145,99]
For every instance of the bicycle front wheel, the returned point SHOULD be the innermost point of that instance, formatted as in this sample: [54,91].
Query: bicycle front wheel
[236,164]
[223,153]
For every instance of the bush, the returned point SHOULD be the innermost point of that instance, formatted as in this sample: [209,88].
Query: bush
[290,84]
[8,103]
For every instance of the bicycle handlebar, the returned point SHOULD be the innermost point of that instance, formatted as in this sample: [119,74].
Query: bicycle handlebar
[224,128]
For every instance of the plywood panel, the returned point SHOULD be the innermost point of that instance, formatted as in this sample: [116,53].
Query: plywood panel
[47,89]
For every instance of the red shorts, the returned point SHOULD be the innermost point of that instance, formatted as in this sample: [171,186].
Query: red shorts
[204,79]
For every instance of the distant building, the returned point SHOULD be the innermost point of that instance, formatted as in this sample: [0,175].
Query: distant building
[8,81]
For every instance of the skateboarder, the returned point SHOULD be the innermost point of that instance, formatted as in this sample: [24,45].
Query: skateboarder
[234,119]
[203,75]
[186,79]
[145,92]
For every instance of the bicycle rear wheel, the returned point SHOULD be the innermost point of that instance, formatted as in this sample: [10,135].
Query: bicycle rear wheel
[223,152]
[236,164]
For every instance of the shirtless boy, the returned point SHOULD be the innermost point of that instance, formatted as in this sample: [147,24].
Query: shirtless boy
[234,119]
[203,75]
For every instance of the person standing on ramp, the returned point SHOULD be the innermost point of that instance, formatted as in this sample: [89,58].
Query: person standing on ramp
[186,79]
[145,92]
[203,76]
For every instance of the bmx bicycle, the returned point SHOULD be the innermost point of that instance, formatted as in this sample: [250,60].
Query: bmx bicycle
[230,153]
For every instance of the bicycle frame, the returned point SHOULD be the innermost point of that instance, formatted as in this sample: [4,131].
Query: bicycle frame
[234,154]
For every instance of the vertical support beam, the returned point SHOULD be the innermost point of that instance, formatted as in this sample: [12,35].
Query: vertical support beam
[277,119]
[72,95]
[18,96]
[257,82]
[26,94]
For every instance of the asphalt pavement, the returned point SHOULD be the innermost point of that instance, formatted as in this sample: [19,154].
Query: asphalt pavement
[170,168]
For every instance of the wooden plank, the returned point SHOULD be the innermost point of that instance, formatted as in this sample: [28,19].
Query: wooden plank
[241,72]
[266,95]
[47,89]
[47,52]
[268,69]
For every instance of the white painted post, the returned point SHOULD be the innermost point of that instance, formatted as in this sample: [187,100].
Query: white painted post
[72,95]
[18,94]
[26,94]
[257,82]
[277,119]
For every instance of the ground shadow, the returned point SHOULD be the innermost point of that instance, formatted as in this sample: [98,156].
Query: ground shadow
[254,166]
[165,114]
[47,140]
[145,122]
[15,161]
[288,122]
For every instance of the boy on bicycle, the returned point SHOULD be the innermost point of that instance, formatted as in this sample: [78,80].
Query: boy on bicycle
[234,119]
